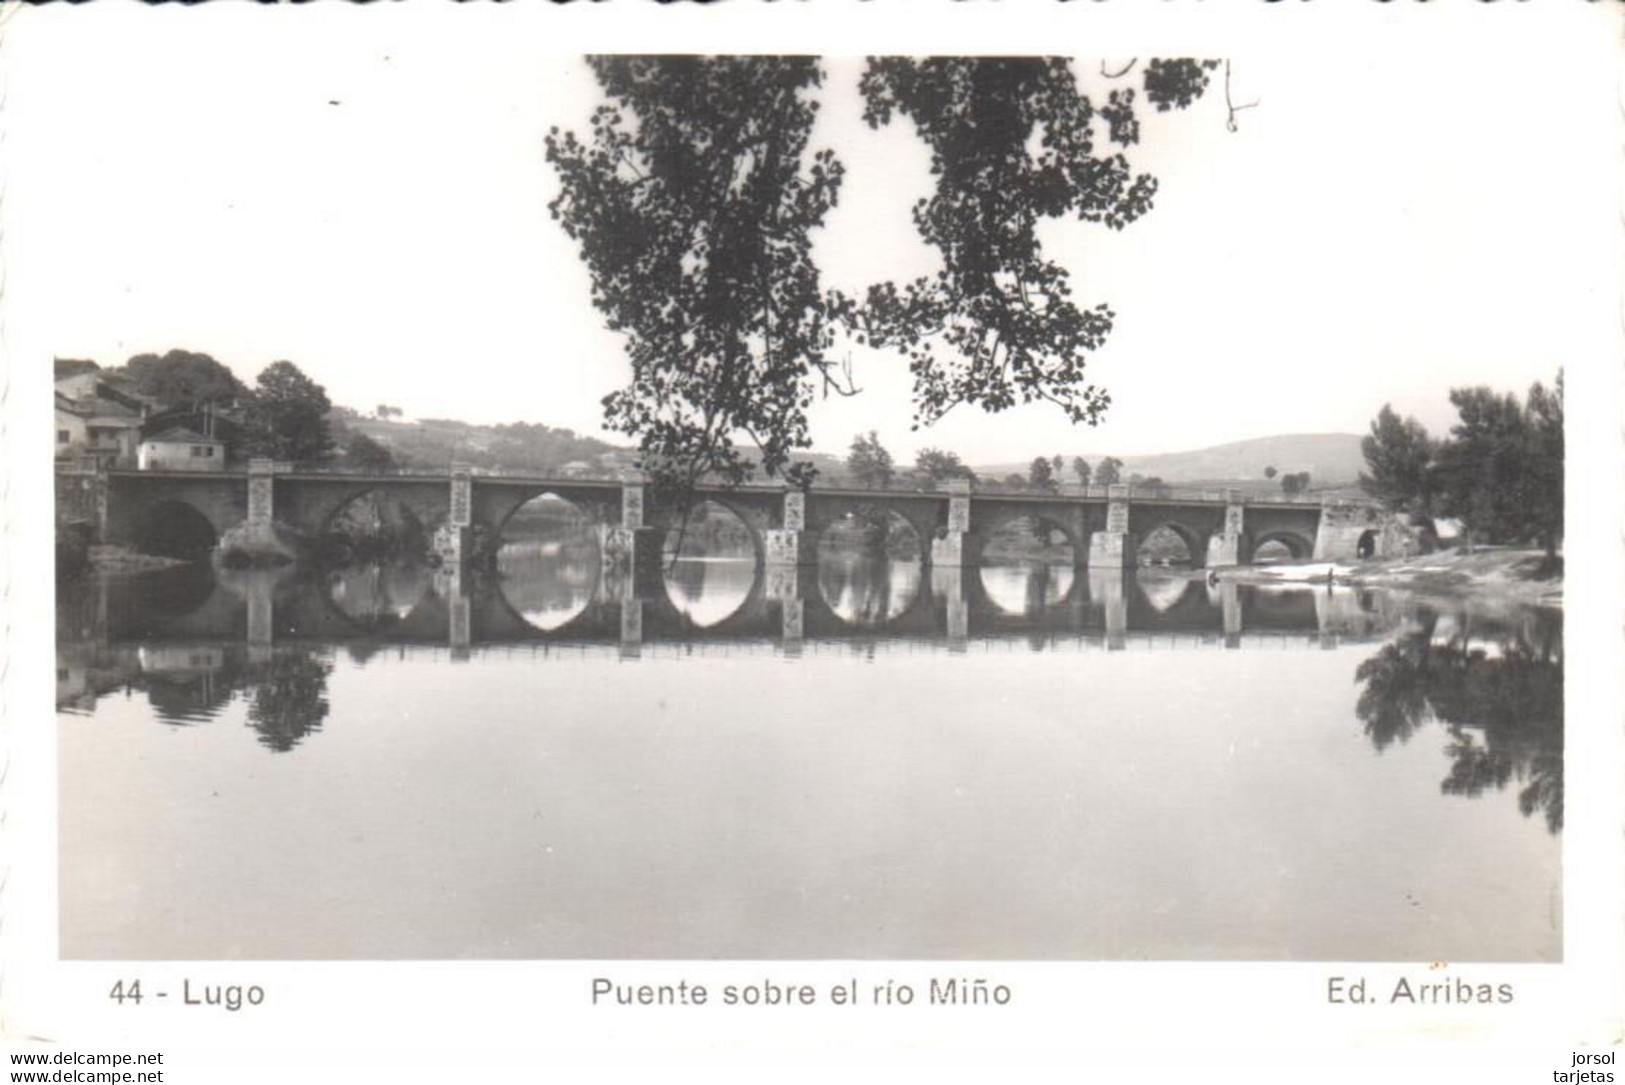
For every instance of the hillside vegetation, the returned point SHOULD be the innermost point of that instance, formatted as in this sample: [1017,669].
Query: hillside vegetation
[1332,460]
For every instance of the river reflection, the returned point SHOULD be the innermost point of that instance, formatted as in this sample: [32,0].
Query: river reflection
[1026,761]
[868,591]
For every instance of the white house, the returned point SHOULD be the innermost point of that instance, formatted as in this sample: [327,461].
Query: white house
[181,449]
[72,425]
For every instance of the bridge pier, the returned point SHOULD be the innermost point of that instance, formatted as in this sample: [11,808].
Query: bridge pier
[453,588]
[792,544]
[1230,610]
[948,584]
[1107,585]
[955,547]
[789,585]
[633,544]
[256,536]
[261,619]
[453,540]
[631,628]
[1225,547]
[1108,549]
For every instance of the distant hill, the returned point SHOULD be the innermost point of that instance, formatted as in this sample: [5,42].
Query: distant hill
[518,446]
[1332,460]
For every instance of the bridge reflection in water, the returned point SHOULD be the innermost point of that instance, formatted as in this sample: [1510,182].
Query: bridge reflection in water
[513,758]
[532,599]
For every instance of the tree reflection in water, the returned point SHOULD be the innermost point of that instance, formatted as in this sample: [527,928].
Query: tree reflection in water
[867,591]
[1501,700]
[288,699]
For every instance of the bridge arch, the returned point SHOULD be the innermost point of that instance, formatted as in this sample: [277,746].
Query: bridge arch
[901,531]
[682,606]
[173,528]
[1195,542]
[397,517]
[1300,546]
[495,506]
[873,595]
[549,560]
[1001,520]
[675,531]
[378,598]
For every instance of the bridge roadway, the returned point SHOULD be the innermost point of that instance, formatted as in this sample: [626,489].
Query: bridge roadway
[1104,526]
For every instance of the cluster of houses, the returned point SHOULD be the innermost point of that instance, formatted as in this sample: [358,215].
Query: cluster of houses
[101,418]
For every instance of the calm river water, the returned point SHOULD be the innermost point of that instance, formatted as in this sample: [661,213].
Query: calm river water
[861,760]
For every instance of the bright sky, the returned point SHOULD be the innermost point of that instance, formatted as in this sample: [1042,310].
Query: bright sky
[369,201]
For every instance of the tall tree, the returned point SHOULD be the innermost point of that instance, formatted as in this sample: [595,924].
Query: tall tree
[287,415]
[1399,457]
[184,378]
[365,454]
[1543,489]
[1080,467]
[1013,142]
[694,196]
[1481,468]
[1110,472]
[938,465]
[869,463]
[1041,475]
[693,202]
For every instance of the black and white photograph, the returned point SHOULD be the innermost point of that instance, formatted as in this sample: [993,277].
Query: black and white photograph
[961,507]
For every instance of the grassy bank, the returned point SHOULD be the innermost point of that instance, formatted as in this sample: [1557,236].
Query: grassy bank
[1514,575]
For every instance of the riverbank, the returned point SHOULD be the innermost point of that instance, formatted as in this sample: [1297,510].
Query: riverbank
[1510,574]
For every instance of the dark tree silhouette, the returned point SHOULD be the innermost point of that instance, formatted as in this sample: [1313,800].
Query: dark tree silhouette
[1110,472]
[693,201]
[289,700]
[939,465]
[694,196]
[868,462]
[1501,701]
[287,415]
[1399,458]
[365,454]
[184,378]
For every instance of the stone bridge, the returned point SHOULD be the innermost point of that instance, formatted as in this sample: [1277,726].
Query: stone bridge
[1105,526]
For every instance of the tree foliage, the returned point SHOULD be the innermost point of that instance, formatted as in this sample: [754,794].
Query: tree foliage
[1500,469]
[184,378]
[1399,456]
[1080,468]
[869,463]
[287,415]
[693,203]
[694,196]
[939,465]
[1295,482]
[1501,700]
[1543,482]
[1110,472]
[1041,474]
[1013,142]
[365,454]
